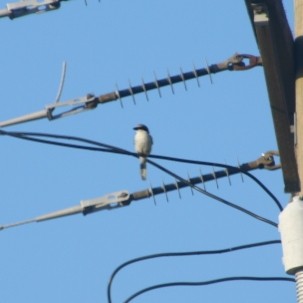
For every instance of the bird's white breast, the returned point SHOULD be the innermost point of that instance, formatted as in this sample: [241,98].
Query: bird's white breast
[143,142]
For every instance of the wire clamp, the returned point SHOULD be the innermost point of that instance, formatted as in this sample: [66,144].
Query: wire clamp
[78,105]
[109,201]
[23,8]
[267,160]
[237,63]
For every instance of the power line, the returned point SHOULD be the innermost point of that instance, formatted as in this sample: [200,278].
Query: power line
[215,197]
[122,151]
[182,254]
[227,167]
[113,149]
[208,282]
[124,198]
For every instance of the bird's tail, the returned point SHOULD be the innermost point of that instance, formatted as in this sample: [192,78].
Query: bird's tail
[143,170]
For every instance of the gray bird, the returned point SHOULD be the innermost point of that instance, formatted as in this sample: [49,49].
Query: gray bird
[143,143]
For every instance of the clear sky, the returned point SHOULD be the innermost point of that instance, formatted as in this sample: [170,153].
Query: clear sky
[116,42]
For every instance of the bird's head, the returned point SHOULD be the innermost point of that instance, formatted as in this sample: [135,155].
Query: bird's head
[141,127]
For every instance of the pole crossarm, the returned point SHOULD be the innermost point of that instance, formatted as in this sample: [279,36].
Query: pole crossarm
[275,41]
[26,7]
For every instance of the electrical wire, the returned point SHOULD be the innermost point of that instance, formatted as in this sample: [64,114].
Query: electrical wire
[208,282]
[119,150]
[29,137]
[123,151]
[248,174]
[182,254]
[113,149]
[215,197]
[109,148]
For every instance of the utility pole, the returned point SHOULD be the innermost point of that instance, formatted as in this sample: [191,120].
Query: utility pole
[276,44]
[298,11]
[298,7]
[282,58]
[291,219]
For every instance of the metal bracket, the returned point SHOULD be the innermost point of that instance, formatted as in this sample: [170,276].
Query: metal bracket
[237,63]
[109,201]
[267,160]
[23,8]
[260,14]
[80,104]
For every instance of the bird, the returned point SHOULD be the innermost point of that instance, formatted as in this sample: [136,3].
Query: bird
[143,142]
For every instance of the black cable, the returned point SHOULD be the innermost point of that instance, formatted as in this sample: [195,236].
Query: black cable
[122,151]
[203,283]
[28,136]
[119,150]
[182,254]
[113,149]
[248,174]
[109,148]
[213,196]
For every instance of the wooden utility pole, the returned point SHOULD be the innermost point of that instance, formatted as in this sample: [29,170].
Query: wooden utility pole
[282,59]
[291,218]
[298,11]
[276,45]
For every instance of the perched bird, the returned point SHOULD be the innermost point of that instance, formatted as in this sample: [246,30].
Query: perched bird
[143,143]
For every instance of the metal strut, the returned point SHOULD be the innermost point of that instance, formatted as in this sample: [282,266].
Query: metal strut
[124,198]
[238,62]
[26,7]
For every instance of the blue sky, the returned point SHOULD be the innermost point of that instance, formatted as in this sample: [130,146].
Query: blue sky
[117,42]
